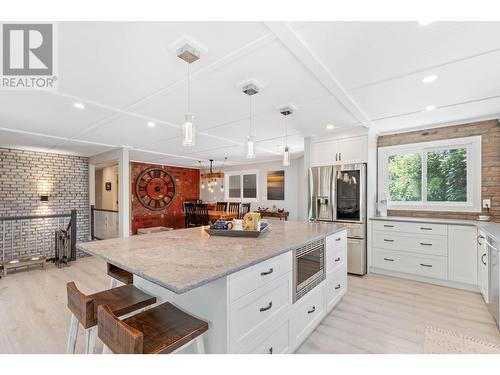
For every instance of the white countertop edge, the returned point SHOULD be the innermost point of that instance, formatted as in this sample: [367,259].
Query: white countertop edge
[230,271]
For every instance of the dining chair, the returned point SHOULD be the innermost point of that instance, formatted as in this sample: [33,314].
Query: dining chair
[234,207]
[202,217]
[221,206]
[245,208]
[190,215]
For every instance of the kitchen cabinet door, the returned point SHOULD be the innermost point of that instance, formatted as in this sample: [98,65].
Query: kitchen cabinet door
[462,254]
[352,150]
[324,153]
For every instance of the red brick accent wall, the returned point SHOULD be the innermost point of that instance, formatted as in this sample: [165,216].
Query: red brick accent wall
[187,183]
[490,160]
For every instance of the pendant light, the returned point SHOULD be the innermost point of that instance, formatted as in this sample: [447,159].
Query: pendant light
[286,151]
[250,90]
[189,54]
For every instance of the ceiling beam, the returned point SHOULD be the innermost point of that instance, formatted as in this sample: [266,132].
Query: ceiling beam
[298,47]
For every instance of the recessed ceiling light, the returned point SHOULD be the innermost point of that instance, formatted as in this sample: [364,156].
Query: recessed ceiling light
[330,126]
[425,22]
[430,78]
[430,107]
[79,105]
[151,124]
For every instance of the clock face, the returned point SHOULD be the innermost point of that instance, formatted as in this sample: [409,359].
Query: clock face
[155,189]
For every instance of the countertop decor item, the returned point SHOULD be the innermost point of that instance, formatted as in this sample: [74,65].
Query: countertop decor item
[237,233]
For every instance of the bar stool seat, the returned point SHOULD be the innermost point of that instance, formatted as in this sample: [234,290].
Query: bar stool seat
[122,301]
[119,274]
[162,329]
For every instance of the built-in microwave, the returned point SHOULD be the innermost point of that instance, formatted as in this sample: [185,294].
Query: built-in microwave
[309,267]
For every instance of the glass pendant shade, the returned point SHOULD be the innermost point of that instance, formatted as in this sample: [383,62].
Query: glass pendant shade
[286,157]
[250,148]
[188,131]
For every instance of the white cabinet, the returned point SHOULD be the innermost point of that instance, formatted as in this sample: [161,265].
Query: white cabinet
[462,254]
[340,151]
[482,265]
[307,313]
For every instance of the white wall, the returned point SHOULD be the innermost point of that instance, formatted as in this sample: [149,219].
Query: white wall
[106,199]
[293,177]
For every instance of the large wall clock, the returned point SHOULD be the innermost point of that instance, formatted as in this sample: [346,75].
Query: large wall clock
[155,189]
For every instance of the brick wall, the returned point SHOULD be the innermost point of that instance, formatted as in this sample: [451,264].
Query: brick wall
[490,160]
[187,183]
[24,176]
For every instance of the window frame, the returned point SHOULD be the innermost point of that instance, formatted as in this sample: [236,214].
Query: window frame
[241,174]
[473,149]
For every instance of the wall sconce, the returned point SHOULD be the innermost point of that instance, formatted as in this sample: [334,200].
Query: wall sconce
[44,198]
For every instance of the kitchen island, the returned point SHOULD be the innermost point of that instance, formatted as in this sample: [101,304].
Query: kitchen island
[243,287]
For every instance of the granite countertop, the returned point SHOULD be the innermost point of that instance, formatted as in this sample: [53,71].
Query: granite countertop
[490,227]
[182,260]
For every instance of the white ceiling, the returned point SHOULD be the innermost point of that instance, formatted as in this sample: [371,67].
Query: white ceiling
[349,74]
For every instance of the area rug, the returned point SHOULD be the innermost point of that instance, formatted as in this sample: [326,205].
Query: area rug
[442,341]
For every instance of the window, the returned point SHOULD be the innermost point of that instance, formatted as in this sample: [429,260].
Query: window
[441,175]
[242,186]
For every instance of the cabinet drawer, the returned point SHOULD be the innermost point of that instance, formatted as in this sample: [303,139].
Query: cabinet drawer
[336,250]
[422,265]
[400,226]
[245,281]
[307,312]
[417,243]
[336,285]
[275,343]
[249,316]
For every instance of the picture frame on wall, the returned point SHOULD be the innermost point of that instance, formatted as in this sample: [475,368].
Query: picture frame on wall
[107,186]
[276,185]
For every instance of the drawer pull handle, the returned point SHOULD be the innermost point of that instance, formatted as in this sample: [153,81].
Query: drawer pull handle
[337,287]
[480,237]
[388,226]
[389,259]
[425,244]
[270,351]
[267,272]
[425,265]
[425,228]
[312,310]
[262,309]
[482,259]
[338,239]
[337,259]
[386,240]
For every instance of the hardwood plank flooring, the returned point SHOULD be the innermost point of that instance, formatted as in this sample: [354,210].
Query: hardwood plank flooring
[382,314]
[379,314]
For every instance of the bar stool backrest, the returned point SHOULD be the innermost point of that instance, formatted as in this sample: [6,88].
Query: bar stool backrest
[221,206]
[118,336]
[81,305]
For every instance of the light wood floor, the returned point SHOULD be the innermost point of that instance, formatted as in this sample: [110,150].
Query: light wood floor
[379,314]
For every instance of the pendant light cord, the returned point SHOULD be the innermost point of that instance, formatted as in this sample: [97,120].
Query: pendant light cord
[286,132]
[251,115]
[189,89]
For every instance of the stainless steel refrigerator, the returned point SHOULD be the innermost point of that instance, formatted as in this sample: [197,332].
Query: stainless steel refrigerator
[338,194]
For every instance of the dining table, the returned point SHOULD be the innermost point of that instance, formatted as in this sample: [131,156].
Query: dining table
[215,215]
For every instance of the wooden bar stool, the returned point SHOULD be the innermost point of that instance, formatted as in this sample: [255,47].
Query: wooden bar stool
[160,330]
[118,274]
[122,300]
